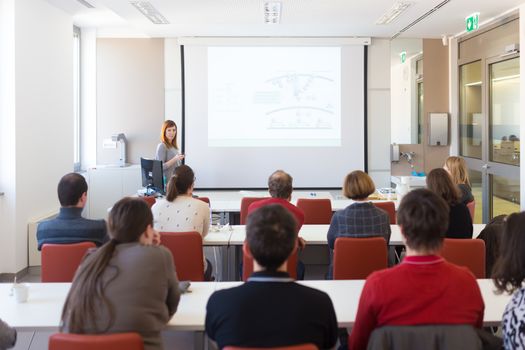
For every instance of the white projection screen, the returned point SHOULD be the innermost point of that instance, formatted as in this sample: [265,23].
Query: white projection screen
[250,109]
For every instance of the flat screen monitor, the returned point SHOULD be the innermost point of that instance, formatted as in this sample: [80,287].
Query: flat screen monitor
[152,175]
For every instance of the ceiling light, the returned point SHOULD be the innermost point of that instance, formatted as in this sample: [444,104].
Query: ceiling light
[150,12]
[272,12]
[397,9]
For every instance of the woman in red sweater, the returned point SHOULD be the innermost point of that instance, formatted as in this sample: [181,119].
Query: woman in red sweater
[424,288]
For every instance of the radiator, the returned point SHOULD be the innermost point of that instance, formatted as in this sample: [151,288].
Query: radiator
[32,244]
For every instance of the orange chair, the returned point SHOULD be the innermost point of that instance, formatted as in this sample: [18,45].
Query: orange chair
[117,341]
[204,199]
[150,200]
[390,208]
[316,211]
[245,203]
[186,248]
[356,258]
[466,252]
[291,347]
[472,209]
[60,261]
[291,266]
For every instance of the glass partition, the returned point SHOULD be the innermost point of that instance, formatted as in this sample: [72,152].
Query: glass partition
[470,107]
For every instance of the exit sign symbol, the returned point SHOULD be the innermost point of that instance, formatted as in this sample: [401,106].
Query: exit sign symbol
[472,22]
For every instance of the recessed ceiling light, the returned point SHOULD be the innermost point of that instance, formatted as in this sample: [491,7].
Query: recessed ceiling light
[272,12]
[148,10]
[395,11]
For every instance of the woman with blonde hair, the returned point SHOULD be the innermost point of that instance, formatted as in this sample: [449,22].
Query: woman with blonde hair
[457,168]
[168,150]
[127,285]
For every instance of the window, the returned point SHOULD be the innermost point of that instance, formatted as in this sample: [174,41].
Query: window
[76,99]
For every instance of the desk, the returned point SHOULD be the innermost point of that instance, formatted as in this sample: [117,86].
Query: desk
[42,311]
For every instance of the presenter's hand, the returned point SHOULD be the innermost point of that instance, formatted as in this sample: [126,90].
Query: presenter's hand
[179,157]
[301,242]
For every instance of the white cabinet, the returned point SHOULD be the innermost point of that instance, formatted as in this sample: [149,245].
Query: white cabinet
[108,184]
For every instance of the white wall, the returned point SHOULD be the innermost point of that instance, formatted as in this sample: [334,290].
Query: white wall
[42,118]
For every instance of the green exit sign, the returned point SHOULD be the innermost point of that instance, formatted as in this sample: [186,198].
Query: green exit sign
[403,56]
[472,22]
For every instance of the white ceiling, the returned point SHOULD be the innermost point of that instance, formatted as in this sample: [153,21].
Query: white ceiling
[309,18]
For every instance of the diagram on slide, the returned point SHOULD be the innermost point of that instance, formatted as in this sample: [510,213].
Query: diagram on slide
[274,96]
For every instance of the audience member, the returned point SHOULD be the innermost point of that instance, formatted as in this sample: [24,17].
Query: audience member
[127,285]
[457,168]
[270,309]
[180,212]
[423,289]
[491,235]
[69,226]
[509,275]
[7,336]
[460,221]
[359,219]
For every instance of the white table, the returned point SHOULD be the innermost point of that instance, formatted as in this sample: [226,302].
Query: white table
[43,309]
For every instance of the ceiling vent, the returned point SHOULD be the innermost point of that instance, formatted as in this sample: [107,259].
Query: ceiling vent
[395,11]
[151,13]
[87,4]
[422,17]
[272,12]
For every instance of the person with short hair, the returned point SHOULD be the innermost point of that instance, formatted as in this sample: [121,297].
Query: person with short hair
[168,150]
[457,168]
[459,220]
[180,212]
[423,289]
[127,285]
[508,275]
[69,226]
[361,218]
[270,309]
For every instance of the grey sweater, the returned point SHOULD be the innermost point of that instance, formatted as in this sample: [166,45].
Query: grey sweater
[7,336]
[163,153]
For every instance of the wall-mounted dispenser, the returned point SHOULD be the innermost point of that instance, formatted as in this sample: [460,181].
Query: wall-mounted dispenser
[438,129]
[121,139]
[394,152]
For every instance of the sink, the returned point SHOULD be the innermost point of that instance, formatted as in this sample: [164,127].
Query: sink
[412,181]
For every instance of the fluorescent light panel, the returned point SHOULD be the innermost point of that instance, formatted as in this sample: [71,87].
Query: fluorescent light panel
[272,12]
[148,10]
[395,11]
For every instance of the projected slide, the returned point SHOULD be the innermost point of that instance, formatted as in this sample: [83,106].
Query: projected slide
[274,96]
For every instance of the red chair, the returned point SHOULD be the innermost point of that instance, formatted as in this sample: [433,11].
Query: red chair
[472,209]
[291,266]
[204,199]
[245,203]
[150,200]
[60,261]
[186,248]
[117,341]
[390,208]
[356,258]
[291,347]
[466,252]
[316,211]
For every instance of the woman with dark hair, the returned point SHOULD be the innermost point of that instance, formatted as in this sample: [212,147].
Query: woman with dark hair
[127,285]
[180,212]
[460,221]
[167,149]
[509,275]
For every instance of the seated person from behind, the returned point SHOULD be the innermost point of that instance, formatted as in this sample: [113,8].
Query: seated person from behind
[458,171]
[359,219]
[270,309]
[69,226]
[423,289]
[180,212]
[459,220]
[127,285]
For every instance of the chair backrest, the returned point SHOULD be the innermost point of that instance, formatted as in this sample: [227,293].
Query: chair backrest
[117,341]
[291,266]
[317,211]
[60,261]
[150,200]
[472,209]
[186,248]
[433,337]
[245,203]
[466,252]
[291,347]
[356,258]
[390,208]
[204,199]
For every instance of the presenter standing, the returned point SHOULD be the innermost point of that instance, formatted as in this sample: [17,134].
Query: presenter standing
[167,150]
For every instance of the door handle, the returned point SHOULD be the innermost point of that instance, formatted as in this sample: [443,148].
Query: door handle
[485,166]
